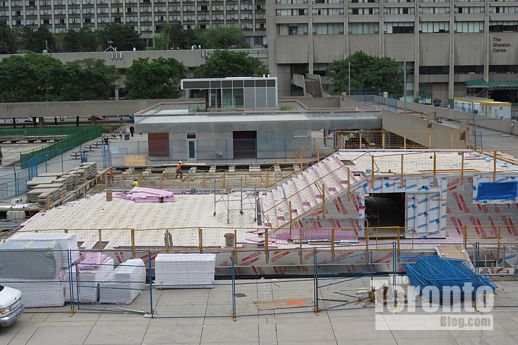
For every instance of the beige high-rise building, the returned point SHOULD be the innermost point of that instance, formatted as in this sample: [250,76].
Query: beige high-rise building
[146,16]
[445,43]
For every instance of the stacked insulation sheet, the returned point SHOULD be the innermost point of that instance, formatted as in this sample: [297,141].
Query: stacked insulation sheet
[125,283]
[86,277]
[184,270]
[35,264]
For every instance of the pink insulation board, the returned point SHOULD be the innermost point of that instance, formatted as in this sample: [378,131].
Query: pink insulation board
[146,195]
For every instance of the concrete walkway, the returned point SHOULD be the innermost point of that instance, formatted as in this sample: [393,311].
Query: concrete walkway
[203,317]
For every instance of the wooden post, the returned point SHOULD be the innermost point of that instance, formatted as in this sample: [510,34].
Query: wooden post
[348,184]
[494,166]
[435,167]
[429,140]
[402,170]
[200,240]
[372,172]
[235,246]
[323,200]
[132,232]
[166,240]
[100,235]
[462,168]
[266,246]
[383,139]
[332,242]
[399,239]
[291,219]
[66,231]
[451,140]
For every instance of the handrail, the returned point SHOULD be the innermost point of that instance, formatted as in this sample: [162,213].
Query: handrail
[309,185]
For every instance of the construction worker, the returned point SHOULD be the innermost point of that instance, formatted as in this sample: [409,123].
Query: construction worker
[179,170]
[135,182]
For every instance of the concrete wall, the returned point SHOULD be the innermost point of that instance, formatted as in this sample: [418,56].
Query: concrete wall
[416,129]
[79,108]
[124,59]
[429,112]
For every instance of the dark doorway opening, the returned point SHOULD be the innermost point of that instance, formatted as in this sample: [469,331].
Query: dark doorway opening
[385,210]
[245,144]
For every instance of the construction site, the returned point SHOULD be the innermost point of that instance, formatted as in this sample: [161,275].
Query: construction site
[287,241]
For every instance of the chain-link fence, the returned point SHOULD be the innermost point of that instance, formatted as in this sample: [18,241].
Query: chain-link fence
[249,282]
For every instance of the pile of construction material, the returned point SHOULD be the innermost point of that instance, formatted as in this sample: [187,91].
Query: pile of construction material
[125,283]
[146,195]
[35,264]
[50,188]
[184,270]
[86,277]
[443,272]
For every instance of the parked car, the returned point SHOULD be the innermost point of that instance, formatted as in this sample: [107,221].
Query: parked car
[11,307]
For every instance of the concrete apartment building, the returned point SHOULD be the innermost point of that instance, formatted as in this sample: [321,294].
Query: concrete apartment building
[445,43]
[145,15]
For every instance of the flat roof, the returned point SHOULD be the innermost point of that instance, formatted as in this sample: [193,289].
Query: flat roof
[182,217]
[421,161]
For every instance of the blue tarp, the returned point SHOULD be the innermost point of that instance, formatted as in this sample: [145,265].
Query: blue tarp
[497,191]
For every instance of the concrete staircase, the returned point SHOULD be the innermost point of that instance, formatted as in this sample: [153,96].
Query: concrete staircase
[305,191]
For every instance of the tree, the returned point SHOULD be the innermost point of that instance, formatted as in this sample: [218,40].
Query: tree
[222,38]
[368,74]
[123,36]
[174,36]
[38,40]
[30,78]
[82,41]
[7,39]
[158,78]
[226,63]
[88,79]
[40,77]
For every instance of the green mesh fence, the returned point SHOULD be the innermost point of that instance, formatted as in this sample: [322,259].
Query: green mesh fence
[76,137]
[41,131]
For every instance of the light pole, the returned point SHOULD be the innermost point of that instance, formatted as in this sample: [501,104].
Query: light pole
[404,82]
[349,78]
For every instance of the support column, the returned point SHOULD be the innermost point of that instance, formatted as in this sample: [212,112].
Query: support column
[487,49]
[451,72]
[310,36]
[417,52]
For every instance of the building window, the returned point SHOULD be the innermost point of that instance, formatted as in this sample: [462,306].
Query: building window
[293,29]
[363,11]
[508,26]
[363,28]
[463,10]
[292,12]
[461,27]
[429,27]
[328,29]
[290,2]
[399,28]
[328,11]
[398,10]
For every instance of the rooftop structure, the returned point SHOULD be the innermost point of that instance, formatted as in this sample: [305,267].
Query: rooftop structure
[229,134]
[236,93]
